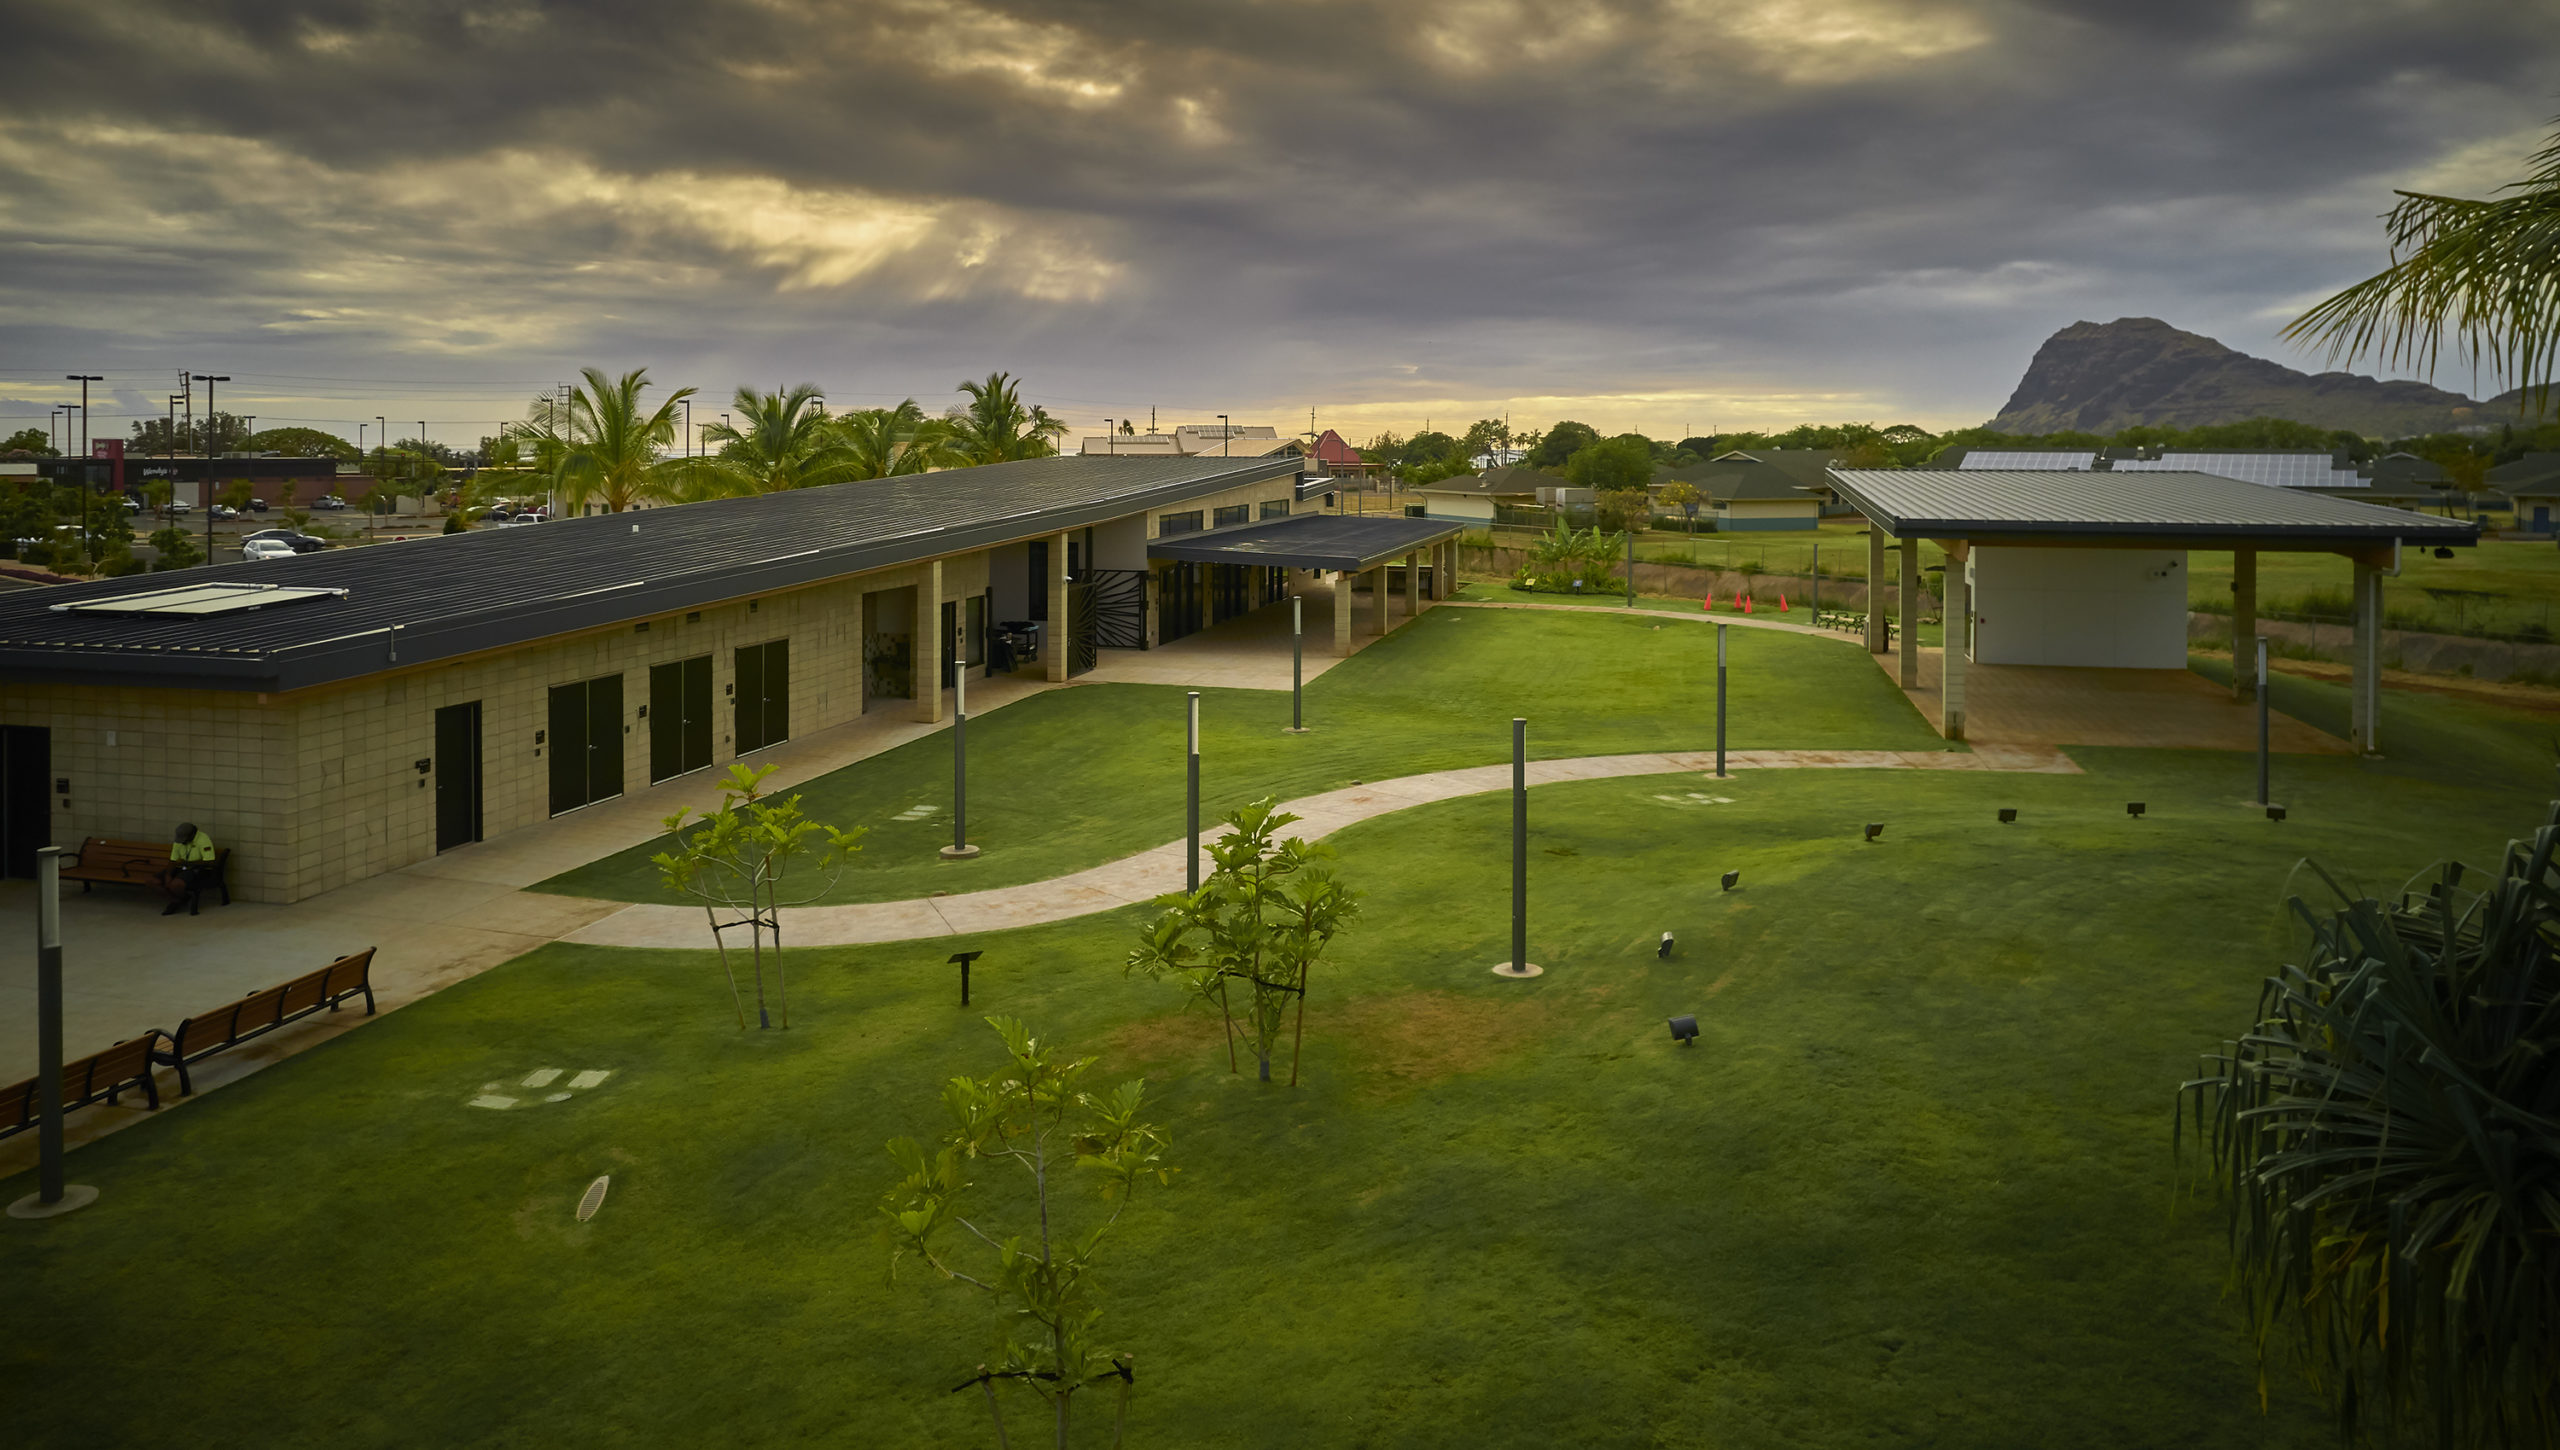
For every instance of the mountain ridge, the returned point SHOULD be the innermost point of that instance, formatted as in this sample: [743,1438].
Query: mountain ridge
[2098,377]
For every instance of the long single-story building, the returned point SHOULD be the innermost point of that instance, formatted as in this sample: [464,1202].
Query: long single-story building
[2068,567]
[339,714]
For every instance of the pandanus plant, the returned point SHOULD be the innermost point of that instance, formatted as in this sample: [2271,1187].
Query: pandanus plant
[2387,1134]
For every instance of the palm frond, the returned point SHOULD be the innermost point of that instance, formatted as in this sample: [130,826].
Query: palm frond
[2482,275]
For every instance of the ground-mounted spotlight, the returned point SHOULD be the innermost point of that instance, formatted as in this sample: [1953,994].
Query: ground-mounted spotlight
[2443,553]
[2008,815]
[2275,813]
[1662,953]
[2134,809]
[1732,879]
[1684,1030]
[1874,829]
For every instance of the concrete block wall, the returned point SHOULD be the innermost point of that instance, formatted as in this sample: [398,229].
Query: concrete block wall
[320,788]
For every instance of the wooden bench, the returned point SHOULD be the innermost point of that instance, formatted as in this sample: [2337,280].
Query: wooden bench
[143,863]
[207,1033]
[100,1075]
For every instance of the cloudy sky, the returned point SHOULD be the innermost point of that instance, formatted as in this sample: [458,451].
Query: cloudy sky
[1669,216]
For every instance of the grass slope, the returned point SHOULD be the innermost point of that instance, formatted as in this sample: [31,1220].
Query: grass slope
[1913,1186]
[1073,778]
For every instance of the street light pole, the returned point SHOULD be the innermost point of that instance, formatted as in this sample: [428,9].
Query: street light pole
[1223,431]
[213,424]
[52,1195]
[1297,663]
[960,849]
[1191,858]
[1720,628]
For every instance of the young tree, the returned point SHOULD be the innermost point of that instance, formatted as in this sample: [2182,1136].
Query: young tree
[736,858]
[1256,926]
[237,493]
[177,548]
[1030,1115]
[2385,1136]
[1683,495]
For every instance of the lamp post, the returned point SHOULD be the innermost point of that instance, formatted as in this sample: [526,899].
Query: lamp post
[1223,431]
[84,472]
[84,380]
[52,1195]
[213,428]
[688,436]
[1110,438]
[381,465]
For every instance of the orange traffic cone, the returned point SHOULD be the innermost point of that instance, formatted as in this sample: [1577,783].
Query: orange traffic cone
[1746,604]
[1709,603]
[1782,601]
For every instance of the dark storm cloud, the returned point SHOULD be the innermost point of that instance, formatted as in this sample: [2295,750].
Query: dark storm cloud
[1802,207]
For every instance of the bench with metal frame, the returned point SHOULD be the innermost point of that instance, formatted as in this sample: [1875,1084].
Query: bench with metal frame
[99,1077]
[259,1013]
[145,863]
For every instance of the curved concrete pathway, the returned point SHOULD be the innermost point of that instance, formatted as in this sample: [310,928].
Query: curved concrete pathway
[1150,874]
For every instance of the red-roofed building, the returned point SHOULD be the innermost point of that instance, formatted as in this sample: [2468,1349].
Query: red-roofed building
[1340,458]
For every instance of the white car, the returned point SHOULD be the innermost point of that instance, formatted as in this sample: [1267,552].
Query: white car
[266,549]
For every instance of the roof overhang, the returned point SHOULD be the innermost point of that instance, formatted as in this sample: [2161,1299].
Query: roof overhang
[2105,510]
[1349,543]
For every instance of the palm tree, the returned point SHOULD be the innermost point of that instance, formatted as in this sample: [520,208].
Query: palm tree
[2488,271]
[996,428]
[788,442]
[887,442]
[2387,1138]
[611,454]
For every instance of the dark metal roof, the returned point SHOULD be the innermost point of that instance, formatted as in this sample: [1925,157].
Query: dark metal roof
[435,598]
[1987,503]
[1351,542]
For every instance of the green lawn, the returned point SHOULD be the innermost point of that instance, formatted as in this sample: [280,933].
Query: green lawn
[1073,778]
[2505,585]
[1914,1186]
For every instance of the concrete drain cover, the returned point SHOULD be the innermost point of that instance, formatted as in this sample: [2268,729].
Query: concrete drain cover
[594,1198]
[500,1096]
[916,813]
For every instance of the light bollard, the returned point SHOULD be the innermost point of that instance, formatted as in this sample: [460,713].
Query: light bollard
[1297,664]
[2262,721]
[52,1195]
[1631,563]
[1519,965]
[1191,859]
[960,849]
[1720,701]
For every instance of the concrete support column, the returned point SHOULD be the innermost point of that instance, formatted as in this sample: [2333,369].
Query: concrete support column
[1053,640]
[1910,614]
[1413,585]
[1342,615]
[2244,624]
[2366,708]
[928,649]
[1959,615]
[1875,591]
[1378,600]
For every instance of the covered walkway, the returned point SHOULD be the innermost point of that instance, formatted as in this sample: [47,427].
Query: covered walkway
[1416,557]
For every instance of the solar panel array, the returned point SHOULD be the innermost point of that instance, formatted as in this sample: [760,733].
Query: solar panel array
[2276,470]
[2016,458]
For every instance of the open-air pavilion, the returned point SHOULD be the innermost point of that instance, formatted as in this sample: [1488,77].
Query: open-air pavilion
[1215,570]
[2053,570]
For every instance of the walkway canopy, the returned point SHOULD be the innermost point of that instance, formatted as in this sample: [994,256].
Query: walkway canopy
[1345,543]
[2125,607]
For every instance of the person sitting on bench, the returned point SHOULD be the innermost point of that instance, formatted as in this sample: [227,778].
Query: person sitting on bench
[191,856]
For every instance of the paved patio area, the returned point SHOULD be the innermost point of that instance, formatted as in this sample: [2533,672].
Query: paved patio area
[1249,652]
[2048,705]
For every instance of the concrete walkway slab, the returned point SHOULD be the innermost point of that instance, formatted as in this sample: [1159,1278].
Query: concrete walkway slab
[1159,870]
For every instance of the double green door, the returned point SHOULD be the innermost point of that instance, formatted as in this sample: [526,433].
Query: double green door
[679,717]
[585,741]
[762,695]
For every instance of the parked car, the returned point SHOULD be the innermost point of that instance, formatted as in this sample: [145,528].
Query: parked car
[225,511]
[266,549]
[177,510]
[257,505]
[524,519]
[498,513]
[132,505]
[329,502]
[299,543]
